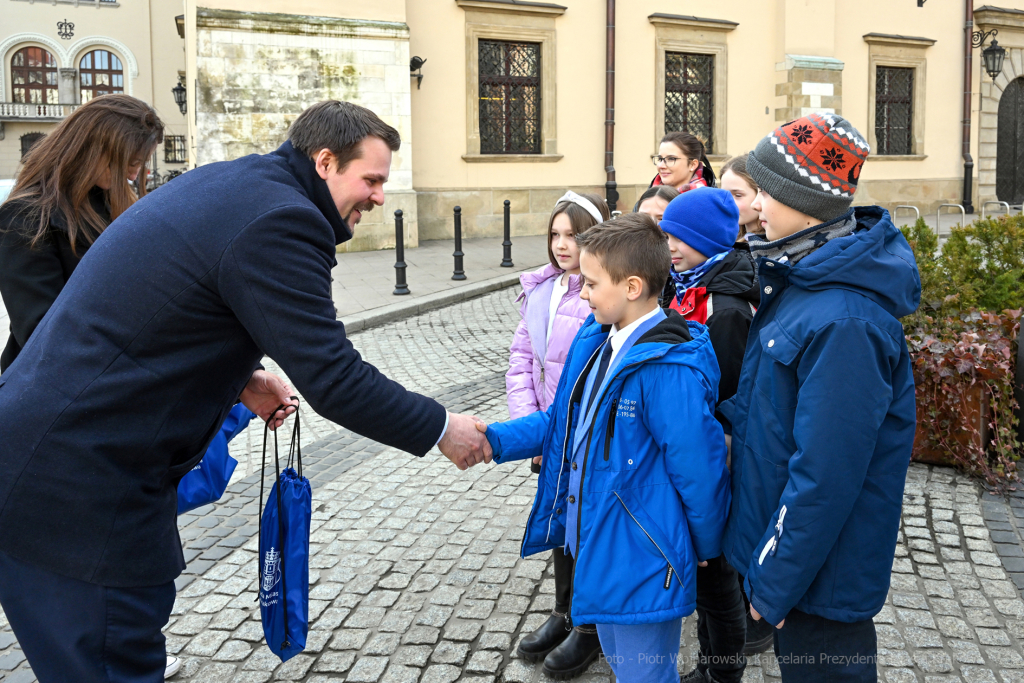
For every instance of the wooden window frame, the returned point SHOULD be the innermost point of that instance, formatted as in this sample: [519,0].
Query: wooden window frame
[44,88]
[93,72]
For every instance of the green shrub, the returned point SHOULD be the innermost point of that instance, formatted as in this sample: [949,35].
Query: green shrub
[963,341]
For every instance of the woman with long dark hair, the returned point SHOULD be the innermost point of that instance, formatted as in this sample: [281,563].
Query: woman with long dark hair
[74,182]
[682,162]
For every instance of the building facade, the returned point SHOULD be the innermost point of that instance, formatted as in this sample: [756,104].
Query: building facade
[512,100]
[58,54]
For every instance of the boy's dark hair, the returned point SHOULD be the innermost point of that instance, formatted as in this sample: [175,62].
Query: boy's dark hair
[579,218]
[339,127]
[629,245]
[666,192]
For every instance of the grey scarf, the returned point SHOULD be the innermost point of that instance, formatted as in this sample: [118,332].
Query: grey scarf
[800,244]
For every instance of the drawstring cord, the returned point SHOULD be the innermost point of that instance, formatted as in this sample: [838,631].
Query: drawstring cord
[295,449]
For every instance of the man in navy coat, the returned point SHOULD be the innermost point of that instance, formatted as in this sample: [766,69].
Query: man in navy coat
[160,330]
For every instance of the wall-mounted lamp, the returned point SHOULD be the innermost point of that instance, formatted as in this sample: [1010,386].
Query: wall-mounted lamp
[993,55]
[180,96]
[414,67]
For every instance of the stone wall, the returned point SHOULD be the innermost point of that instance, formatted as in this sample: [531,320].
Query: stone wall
[926,195]
[805,85]
[258,71]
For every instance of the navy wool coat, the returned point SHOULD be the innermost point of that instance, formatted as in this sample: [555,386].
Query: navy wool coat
[127,378]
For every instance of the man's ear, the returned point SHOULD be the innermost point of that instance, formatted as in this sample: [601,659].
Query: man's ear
[324,161]
[634,287]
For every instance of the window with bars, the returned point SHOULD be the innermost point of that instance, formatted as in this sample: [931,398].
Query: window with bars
[894,110]
[34,76]
[509,97]
[28,140]
[100,73]
[175,151]
[689,95]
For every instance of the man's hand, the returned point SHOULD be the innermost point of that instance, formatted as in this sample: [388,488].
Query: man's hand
[464,443]
[757,617]
[264,393]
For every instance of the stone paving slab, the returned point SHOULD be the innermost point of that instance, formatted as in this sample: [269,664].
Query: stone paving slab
[415,572]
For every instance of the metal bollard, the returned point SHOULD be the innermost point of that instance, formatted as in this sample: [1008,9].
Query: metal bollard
[459,273]
[506,258]
[401,287]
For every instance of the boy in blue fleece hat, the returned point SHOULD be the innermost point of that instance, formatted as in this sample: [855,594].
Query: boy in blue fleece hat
[633,483]
[823,420]
[713,282]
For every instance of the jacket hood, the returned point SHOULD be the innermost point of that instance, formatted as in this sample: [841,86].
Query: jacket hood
[735,275]
[677,340]
[874,261]
[316,189]
[531,280]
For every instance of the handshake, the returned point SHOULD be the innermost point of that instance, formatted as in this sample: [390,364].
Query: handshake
[464,442]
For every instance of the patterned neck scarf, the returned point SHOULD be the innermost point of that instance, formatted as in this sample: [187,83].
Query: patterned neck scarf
[689,278]
[801,244]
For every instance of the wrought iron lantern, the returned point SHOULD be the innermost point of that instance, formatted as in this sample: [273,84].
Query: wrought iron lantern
[180,96]
[993,55]
[415,64]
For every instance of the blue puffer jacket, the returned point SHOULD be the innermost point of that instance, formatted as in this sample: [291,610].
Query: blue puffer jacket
[823,424]
[655,487]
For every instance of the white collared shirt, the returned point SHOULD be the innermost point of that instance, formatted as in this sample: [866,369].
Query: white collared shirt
[618,337]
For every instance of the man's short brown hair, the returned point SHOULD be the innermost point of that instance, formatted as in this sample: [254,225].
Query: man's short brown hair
[339,127]
[629,245]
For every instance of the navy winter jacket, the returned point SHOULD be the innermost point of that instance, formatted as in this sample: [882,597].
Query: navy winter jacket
[654,495]
[823,425]
[120,388]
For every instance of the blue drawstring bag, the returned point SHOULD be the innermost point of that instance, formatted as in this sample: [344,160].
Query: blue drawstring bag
[205,483]
[284,552]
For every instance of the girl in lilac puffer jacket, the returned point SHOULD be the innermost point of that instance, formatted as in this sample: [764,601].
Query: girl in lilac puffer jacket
[552,315]
[551,308]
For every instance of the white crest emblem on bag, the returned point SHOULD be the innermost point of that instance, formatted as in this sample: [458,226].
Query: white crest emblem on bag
[271,570]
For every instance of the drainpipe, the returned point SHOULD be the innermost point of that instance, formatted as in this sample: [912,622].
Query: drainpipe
[611,191]
[968,68]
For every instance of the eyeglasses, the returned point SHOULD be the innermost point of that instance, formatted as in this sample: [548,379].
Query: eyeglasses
[668,161]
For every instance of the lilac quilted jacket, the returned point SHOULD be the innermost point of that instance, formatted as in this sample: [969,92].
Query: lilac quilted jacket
[535,362]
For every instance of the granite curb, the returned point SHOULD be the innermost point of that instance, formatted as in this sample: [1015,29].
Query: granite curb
[430,302]
[1004,517]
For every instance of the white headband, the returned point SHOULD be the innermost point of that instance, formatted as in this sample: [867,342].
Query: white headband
[583,202]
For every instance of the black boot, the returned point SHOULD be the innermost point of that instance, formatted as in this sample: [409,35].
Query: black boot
[760,636]
[550,635]
[698,676]
[572,657]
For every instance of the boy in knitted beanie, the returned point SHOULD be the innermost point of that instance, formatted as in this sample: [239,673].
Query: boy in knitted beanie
[823,420]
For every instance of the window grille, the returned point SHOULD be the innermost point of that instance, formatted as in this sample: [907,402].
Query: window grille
[689,95]
[509,97]
[175,151]
[894,110]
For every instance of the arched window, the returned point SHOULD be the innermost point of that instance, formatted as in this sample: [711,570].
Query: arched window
[34,76]
[100,73]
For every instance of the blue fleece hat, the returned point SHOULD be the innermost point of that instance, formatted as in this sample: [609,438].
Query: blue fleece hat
[706,218]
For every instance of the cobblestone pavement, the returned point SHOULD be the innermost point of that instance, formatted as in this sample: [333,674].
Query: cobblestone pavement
[415,575]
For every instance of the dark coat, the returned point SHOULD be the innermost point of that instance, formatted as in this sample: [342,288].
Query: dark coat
[32,277]
[726,305]
[128,377]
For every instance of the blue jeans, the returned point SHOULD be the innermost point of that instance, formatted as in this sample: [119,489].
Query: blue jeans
[642,653]
[813,649]
[71,630]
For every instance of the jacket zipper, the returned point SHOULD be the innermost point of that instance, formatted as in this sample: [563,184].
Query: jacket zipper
[672,570]
[610,432]
[772,546]
[579,501]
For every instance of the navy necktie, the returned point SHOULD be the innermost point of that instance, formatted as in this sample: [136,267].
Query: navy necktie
[602,369]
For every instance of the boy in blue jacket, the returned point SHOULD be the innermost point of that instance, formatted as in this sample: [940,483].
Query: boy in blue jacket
[634,482]
[823,420]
